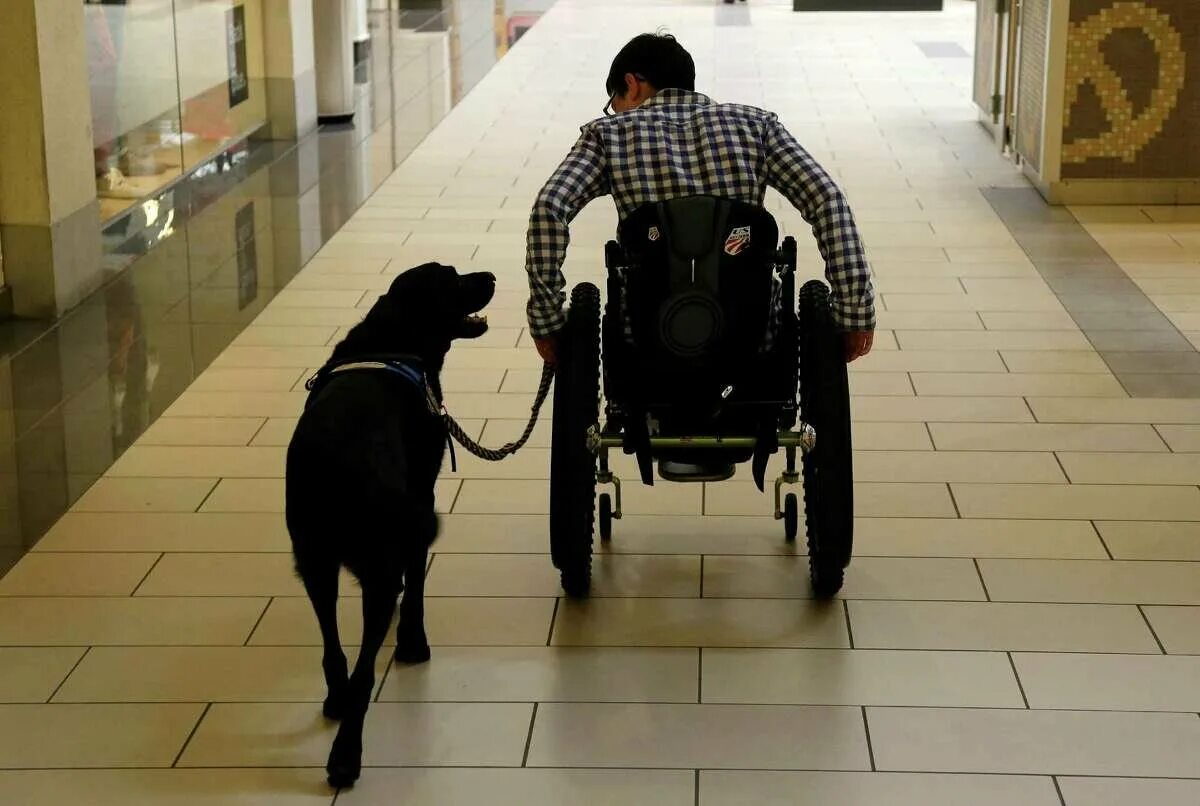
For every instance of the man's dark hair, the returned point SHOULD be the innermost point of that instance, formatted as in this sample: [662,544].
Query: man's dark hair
[658,58]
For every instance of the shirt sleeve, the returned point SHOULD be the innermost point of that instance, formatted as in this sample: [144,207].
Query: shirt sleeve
[581,177]
[794,173]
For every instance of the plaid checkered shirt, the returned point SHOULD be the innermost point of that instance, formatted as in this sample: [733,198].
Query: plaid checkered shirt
[680,143]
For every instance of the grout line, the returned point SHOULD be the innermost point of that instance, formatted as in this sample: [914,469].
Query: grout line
[849,627]
[553,619]
[1057,788]
[982,581]
[188,740]
[63,682]
[1163,439]
[699,675]
[207,496]
[870,746]
[1017,675]
[1061,466]
[701,576]
[260,428]
[529,736]
[146,576]
[1149,626]
[696,787]
[953,500]
[258,621]
[1103,542]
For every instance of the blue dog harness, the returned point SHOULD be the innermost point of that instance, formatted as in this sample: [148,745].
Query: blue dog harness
[408,368]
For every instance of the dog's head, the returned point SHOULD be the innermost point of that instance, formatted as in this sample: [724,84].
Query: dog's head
[422,313]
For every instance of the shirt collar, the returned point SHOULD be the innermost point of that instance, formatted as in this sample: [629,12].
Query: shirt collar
[676,97]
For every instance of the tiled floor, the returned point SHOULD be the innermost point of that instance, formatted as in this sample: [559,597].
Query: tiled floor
[1021,624]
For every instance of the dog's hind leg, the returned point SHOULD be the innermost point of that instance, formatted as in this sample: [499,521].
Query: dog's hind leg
[321,583]
[411,644]
[345,758]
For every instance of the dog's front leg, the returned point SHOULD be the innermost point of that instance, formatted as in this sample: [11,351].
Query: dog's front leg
[412,646]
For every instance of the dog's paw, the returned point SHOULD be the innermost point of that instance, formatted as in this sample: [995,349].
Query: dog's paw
[335,706]
[345,761]
[413,651]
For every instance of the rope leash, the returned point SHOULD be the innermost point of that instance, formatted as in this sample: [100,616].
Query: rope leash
[497,454]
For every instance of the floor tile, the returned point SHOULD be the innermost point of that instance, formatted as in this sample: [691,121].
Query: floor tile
[890,578]
[189,462]
[1018,384]
[503,497]
[176,787]
[775,788]
[1044,437]
[197,431]
[1131,468]
[1181,438]
[953,537]
[548,674]
[100,621]
[42,574]
[31,674]
[948,466]
[239,404]
[49,736]
[448,734]
[535,575]
[525,787]
[1035,340]
[974,361]
[940,409]
[1075,410]
[200,674]
[870,500]
[448,621]
[1151,541]
[145,495]
[1000,626]
[1105,502]
[276,432]
[245,380]
[240,495]
[213,574]
[1094,581]
[1039,742]
[699,622]
[1110,791]
[1110,682]
[166,531]
[859,677]
[1177,627]
[691,736]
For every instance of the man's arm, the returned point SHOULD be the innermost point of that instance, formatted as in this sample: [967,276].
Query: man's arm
[793,171]
[580,178]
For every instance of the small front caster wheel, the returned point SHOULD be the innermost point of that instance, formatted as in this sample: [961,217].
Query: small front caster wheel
[791,517]
[606,517]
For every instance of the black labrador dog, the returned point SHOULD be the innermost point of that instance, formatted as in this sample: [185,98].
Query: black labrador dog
[361,469]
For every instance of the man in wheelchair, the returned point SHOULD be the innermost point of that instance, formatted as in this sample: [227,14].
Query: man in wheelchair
[701,332]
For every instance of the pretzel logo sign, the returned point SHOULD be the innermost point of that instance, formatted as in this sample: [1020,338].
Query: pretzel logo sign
[1128,133]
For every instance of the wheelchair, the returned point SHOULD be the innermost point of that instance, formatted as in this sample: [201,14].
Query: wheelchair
[707,362]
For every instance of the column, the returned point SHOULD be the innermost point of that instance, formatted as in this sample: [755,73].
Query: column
[49,219]
[291,75]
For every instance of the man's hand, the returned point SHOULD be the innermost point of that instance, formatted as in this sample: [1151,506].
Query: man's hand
[858,343]
[548,348]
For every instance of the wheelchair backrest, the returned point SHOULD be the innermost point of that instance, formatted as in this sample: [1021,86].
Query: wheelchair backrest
[698,281]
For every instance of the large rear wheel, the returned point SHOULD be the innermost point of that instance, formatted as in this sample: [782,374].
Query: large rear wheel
[828,470]
[572,464]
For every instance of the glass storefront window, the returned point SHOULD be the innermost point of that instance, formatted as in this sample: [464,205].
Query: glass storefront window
[174,82]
